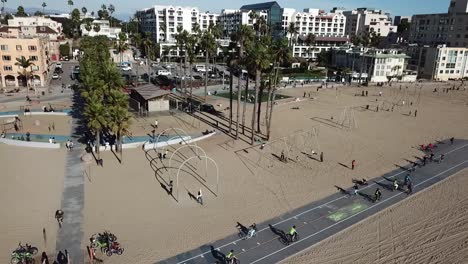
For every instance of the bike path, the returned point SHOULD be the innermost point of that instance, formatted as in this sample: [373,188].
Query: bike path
[322,219]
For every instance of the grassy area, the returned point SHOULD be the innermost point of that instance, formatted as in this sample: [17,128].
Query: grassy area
[264,96]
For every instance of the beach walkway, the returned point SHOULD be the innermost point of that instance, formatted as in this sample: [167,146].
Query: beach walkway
[322,219]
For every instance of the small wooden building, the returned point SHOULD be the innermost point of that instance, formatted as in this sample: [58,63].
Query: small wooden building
[149,98]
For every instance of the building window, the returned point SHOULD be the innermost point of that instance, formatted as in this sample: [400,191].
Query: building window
[7,68]
[19,48]
[33,58]
[443,72]
[4,47]
[6,58]
[32,48]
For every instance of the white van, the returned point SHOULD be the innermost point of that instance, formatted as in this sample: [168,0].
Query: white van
[164,72]
[200,68]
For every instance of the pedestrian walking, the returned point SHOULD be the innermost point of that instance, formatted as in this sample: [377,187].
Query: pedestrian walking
[282,155]
[424,160]
[200,197]
[431,157]
[166,152]
[321,156]
[156,123]
[415,113]
[451,140]
[407,179]
[304,94]
[367,93]
[356,187]
[309,95]
[59,217]
[353,164]
[170,186]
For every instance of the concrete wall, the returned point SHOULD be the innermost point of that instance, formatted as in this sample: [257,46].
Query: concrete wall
[29,144]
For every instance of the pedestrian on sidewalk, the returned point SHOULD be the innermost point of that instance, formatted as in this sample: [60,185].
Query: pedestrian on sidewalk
[59,217]
[431,157]
[304,94]
[156,123]
[415,113]
[165,154]
[356,187]
[321,156]
[451,140]
[353,164]
[200,197]
[44,258]
[424,160]
[282,156]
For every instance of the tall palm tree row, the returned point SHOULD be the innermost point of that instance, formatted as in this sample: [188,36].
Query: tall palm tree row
[121,45]
[209,46]
[106,106]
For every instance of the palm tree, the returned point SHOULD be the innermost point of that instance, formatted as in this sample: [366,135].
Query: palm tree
[92,13]
[242,38]
[166,51]
[95,114]
[97,28]
[3,6]
[70,4]
[119,119]
[281,53]
[24,64]
[209,45]
[162,27]
[121,45]
[88,26]
[43,6]
[258,59]
[192,50]
[111,9]
[293,31]
[84,10]
[181,40]
[310,41]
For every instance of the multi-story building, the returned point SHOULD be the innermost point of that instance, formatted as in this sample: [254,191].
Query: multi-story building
[273,14]
[206,19]
[231,19]
[14,45]
[441,63]
[101,28]
[401,19]
[162,21]
[437,29]
[375,65]
[363,20]
[35,21]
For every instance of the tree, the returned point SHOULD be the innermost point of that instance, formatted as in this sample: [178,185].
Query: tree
[92,13]
[88,26]
[25,64]
[181,40]
[121,45]
[103,13]
[324,58]
[43,7]
[309,41]
[84,10]
[162,28]
[403,26]
[111,10]
[64,50]
[209,45]
[119,119]
[75,18]
[293,31]
[70,4]
[166,51]
[20,12]
[97,28]
[281,54]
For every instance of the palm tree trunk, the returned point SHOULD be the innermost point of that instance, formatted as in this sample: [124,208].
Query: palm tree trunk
[246,93]
[257,86]
[191,82]
[231,80]
[259,111]
[98,144]
[207,62]
[185,73]
[271,113]
[239,92]
[267,112]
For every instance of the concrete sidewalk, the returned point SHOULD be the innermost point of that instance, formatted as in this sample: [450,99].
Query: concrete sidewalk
[322,219]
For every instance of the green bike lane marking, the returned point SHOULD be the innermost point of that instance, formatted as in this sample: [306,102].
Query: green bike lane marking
[347,211]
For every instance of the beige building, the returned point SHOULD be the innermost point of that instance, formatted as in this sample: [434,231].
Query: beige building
[364,20]
[14,45]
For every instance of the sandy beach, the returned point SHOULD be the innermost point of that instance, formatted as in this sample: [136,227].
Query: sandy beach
[430,227]
[130,198]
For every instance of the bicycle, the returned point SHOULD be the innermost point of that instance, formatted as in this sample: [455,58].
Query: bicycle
[232,260]
[250,234]
[291,238]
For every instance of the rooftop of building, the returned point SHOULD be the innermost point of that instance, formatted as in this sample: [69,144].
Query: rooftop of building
[260,6]
[150,91]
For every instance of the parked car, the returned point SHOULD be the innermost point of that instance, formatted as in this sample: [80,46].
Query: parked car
[163,72]
[55,76]
[209,108]
[125,68]
[58,65]
[154,64]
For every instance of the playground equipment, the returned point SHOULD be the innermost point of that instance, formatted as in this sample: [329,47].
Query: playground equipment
[348,118]
[13,123]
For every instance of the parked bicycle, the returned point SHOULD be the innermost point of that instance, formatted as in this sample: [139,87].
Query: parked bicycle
[23,254]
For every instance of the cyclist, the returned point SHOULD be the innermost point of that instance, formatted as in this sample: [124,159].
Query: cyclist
[230,256]
[252,230]
[395,184]
[59,216]
[292,232]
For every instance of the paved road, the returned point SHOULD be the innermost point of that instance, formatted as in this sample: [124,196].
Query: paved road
[319,220]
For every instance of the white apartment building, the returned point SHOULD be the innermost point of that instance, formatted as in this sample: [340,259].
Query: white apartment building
[35,21]
[364,20]
[378,65]
[162,21]
[328,29]
[206,19]
[101,28]
[444,63]
[231,19]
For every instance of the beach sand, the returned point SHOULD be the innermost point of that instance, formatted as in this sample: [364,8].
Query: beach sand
[30,193]
[131,202]
[430,227]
